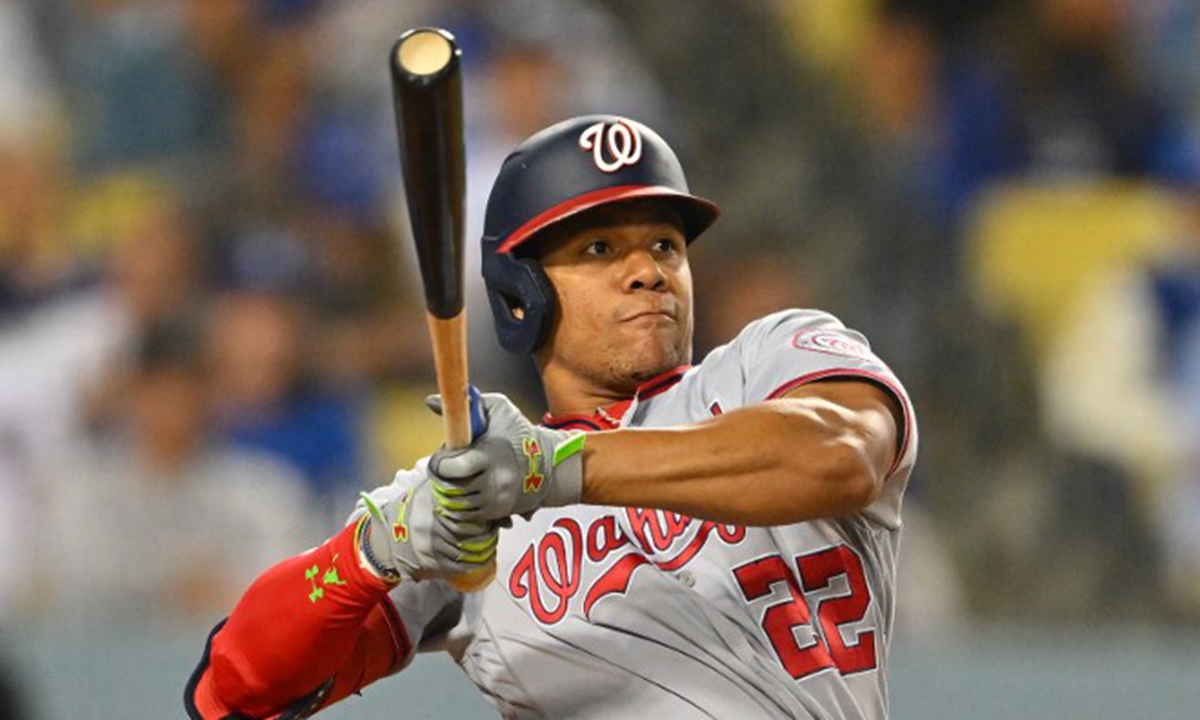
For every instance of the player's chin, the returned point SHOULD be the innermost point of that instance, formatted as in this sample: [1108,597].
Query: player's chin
[654,356]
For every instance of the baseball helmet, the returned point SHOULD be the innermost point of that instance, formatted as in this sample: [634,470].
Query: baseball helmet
[568,168]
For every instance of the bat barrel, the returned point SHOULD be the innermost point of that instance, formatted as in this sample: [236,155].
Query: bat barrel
[427,92]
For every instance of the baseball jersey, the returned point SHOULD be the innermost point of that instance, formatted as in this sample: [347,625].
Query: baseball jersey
[602,612]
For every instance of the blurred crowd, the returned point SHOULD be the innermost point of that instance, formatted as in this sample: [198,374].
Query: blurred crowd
[211,331]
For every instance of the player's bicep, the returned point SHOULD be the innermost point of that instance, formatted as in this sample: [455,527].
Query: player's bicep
[871,413]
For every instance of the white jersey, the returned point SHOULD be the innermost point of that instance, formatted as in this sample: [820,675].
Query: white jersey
[603,612]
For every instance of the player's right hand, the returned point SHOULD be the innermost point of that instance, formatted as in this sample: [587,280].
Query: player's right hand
[408,540]
[513,468]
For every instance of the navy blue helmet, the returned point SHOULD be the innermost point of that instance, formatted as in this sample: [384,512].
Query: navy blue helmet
[566,169]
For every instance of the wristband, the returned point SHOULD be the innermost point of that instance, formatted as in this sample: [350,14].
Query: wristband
[371,562]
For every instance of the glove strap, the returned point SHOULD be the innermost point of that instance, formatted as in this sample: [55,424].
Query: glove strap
[566,449]
[567,463]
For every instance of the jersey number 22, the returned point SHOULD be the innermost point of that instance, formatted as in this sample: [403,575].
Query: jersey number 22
[785,620]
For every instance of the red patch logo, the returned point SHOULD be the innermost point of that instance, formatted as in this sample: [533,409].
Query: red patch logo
[830,343]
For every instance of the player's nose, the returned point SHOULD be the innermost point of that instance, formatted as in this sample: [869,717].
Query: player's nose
[642,271]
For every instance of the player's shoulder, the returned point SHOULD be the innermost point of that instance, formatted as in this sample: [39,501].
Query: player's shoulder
[784,347]
[802,329]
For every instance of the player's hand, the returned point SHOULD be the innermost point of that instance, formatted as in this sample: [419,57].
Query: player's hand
[513,468]
[409,540]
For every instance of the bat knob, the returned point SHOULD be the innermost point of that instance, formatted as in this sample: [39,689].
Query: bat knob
[425,51]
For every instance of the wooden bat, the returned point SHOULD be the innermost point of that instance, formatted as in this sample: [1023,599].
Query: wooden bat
[427,98]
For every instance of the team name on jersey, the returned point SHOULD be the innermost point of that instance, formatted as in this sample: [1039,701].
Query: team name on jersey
[550,575]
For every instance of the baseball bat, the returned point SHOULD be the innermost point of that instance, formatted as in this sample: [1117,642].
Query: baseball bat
[427,98]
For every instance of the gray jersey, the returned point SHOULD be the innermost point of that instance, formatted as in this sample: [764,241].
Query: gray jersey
[607,612]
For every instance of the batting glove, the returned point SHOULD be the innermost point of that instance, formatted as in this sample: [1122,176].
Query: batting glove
[513,468]
[406,539]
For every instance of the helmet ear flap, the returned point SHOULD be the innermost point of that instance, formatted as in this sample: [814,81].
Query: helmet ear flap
[518,284]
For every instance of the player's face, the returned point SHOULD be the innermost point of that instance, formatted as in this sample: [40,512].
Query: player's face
[624,296]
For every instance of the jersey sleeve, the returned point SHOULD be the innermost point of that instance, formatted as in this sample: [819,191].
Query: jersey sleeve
[791,348]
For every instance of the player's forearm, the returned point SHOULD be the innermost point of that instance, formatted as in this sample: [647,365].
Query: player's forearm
[779,462]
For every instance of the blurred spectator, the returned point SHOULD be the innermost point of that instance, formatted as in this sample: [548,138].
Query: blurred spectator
[268,398]
[139,92]
[35,260]
[28,93]
[373,328]
[60,361]
[37,264]
[1052,92]
[273,103]
[1116,390]
[161,522]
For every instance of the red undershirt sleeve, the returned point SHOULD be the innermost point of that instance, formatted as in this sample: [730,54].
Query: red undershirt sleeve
[309,631]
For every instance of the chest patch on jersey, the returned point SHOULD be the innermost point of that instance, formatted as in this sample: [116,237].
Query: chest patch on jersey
[830,343]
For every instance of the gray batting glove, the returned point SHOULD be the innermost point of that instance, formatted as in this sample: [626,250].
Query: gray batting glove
[513,468]
[407,540]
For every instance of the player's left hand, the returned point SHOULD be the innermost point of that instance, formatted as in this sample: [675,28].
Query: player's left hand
[410,540]
[513,468]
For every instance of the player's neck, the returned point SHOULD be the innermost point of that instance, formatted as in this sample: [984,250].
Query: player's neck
[570,394]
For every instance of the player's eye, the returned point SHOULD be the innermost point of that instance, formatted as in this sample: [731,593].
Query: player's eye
[667,245]
[597,246]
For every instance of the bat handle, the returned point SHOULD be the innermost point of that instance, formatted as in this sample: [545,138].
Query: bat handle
[450,358]
[475,580]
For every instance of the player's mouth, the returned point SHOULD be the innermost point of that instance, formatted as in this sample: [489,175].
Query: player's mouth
[650,316]
[661,311]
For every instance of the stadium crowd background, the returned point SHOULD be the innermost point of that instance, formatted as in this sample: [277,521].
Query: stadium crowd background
[210,325]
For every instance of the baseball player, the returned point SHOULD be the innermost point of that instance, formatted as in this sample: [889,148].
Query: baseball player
[677,541]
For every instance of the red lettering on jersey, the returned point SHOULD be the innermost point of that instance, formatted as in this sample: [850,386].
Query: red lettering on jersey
[523,583]
[554,568]
[562,576]
[689,551]
[549,573]
[615,580]
[604,538]
[664,527]
[731,534]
